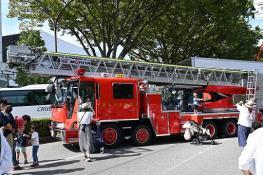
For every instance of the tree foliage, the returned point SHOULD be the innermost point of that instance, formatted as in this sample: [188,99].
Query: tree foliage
[23,79]
[33,39]
[202,28]
[102,27]
[165,31]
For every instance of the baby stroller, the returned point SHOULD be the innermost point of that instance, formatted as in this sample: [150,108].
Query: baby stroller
[197,132]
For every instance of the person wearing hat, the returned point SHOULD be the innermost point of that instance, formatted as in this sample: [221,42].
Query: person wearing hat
[85,138]
[245,121]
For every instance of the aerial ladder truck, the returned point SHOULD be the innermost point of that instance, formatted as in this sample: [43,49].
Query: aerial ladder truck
[136,99]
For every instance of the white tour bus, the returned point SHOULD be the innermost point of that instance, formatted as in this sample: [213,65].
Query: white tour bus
[32,100]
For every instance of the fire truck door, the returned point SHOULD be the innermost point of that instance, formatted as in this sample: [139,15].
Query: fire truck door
[162,122]
[158,118]
[72,95]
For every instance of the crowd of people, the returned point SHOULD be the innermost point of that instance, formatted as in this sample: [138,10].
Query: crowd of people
[14,139]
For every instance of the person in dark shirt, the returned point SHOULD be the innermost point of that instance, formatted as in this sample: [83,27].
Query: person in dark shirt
[9,131]
[8,124]
[3,120]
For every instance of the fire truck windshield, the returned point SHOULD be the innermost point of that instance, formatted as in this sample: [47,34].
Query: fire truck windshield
[66,91]
[61,92]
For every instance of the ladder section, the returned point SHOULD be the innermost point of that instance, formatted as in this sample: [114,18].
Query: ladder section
[58,64]
[251,89]
[251,85]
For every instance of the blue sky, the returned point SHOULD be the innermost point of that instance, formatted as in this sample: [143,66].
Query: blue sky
[11,25]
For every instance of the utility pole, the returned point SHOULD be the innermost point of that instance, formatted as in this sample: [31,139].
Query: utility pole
[56,22]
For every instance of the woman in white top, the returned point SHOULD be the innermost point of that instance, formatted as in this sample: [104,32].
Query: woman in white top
[85,137]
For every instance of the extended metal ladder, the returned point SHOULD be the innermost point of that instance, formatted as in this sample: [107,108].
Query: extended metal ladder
[251,85]
[252,89]
[59,64]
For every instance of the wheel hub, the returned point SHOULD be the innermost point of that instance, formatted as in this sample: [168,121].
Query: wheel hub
[142,135]
[110,136]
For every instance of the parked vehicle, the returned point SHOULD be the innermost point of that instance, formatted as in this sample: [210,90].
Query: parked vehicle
[31,100]
[130,107]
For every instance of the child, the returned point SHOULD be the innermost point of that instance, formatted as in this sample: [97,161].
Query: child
[35,146]
[196,102]
[21,146]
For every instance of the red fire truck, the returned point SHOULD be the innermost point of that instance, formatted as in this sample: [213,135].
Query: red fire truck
[127,107]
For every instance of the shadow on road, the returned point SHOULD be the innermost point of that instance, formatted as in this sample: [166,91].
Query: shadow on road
[57,164]
[53,172]
[113,156]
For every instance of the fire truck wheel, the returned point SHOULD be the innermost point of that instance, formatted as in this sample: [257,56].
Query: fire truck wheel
[141,135]
[229,128]
[212,128]
[111,134]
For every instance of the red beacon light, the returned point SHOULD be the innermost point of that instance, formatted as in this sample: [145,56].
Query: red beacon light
[80,71]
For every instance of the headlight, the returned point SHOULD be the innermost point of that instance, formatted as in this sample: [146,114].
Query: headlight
[60,125]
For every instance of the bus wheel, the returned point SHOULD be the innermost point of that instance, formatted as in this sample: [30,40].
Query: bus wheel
[141,135]
[229,128]
[111,134]
[212,128]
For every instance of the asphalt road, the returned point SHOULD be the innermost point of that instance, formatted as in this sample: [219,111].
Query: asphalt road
[167,156]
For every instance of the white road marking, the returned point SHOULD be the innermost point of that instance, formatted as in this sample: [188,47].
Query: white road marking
[73,157]
[172,169]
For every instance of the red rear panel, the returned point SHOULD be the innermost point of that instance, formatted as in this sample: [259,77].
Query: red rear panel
[163,122]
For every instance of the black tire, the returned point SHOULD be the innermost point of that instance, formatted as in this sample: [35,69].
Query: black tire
[141,135]
[112,134]
[212,127]
[229,128]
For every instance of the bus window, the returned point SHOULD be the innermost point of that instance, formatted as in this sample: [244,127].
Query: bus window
[41,98]
[18,98]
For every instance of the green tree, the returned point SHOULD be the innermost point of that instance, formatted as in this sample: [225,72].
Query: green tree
[202,28]
[33,39]
[23,79]
[165,31]
[103,27]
